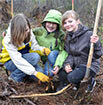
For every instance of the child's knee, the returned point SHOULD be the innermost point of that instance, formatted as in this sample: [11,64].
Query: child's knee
[35,57]
[73,79]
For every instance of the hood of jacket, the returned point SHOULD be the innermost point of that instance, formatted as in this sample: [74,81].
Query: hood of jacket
[53,16]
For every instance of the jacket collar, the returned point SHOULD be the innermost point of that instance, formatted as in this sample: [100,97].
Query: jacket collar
[81,30]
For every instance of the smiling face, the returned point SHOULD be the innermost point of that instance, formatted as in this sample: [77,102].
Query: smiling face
[70,24]
[50,26]
[70,21]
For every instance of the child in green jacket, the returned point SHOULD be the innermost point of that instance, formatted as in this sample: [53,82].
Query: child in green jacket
[50,35]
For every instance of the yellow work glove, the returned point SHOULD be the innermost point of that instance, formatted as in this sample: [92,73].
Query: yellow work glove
[42,77]
[4,57]
[46,51]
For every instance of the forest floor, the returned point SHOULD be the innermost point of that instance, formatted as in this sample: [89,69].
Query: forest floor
[67,97]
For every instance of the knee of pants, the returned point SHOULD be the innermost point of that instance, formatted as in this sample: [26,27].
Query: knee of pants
[35,57]
[77,74]
[70,78]
[52,56]
[17,75]
[32,58]
[73,79]
[10,66]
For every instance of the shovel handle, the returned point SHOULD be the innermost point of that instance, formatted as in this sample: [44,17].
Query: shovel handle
[92,44]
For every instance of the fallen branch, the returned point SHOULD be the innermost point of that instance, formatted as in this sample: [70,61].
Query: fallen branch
[44,94]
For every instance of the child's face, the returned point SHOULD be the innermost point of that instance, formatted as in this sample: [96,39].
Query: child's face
[51,27]
[70,24]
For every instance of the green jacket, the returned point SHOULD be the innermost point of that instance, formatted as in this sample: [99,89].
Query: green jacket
[54,40]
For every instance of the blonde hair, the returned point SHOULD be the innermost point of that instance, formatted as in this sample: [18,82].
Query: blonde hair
[69,13]
[19,24]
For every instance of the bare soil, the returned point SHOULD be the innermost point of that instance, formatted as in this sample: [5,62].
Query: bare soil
[68,97]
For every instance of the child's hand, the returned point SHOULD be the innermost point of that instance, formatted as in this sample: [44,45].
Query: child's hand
[55,70]
[68,68]
[46,51]
[94,38]
[42,77]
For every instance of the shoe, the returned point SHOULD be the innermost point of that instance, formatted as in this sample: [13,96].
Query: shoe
[91,86]
[76,87]
[61,86]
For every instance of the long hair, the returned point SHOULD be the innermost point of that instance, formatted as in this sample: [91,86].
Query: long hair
[19,23]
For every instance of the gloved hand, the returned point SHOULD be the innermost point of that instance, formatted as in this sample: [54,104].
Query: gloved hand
[42,77]
[46,51]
